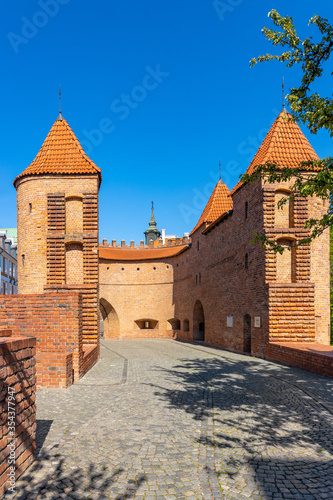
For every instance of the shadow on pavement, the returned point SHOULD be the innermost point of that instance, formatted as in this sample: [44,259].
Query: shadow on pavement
[42,430]
[92,481]
[265,428]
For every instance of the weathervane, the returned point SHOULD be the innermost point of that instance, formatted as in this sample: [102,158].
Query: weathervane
[220,170]
[283,97]
[59,99]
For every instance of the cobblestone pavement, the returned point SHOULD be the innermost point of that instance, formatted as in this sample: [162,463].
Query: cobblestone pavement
[159,419]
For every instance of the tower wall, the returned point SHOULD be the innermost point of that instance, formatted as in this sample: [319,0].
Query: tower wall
[35,224]
[58,240]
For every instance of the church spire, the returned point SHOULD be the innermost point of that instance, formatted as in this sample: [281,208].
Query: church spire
[152,219]
[152,233]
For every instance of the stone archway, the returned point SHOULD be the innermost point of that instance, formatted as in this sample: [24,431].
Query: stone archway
[198,322]
[247,333]
[110,320]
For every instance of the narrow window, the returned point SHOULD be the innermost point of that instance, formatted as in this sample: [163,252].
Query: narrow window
[246,209]
[198,246]
[30,208]
[196,279]
[199,278]
[23,259]
[246,261]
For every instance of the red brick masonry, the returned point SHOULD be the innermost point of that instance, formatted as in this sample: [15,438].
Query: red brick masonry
[55,319]
[310,356]
[17,390]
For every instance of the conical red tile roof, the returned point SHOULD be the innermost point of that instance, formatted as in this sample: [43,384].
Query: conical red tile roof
[218,204]
[285,144]
[61,154]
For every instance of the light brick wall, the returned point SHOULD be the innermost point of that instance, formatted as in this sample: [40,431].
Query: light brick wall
[282,215]
[74,263]
[74,215]
[320,274]
[58,237]
[284,263]
[137,290]
[32,227]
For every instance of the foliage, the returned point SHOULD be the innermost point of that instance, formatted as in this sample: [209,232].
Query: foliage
[306,107]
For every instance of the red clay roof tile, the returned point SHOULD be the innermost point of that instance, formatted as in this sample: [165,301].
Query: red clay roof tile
[129,254]
[285,144]
[219,203]
[61,154]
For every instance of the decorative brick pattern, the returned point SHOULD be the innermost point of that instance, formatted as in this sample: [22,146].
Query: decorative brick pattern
[291,312]
[18,379]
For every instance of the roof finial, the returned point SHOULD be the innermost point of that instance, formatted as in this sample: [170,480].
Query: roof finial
[220,171]
[60,118]
[283,96]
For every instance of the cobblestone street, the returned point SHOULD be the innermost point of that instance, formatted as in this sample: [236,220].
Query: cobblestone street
[159,419]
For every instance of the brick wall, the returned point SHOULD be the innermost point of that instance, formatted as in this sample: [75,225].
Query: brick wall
[291,312]
[286,294]
[217,276]
[43,224]
[55,319]
[132,291]
[320,274]
[17,390]
[313,357]
[58,239]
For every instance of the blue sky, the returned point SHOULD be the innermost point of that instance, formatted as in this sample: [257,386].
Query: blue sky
[157,92]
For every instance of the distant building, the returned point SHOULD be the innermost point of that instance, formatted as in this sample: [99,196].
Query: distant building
[152,234]
[11,233]
[8,261]
[171,238]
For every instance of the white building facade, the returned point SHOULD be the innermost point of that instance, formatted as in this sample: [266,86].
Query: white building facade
[8,263]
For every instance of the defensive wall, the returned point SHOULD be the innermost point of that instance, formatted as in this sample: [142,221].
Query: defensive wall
[18,409]
[221,288]
[57,229]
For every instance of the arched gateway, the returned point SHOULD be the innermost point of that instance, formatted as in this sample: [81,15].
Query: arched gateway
[110,320]
[198,322]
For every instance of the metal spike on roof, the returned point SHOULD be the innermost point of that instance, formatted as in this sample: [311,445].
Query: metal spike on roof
[283,96]
[60,117]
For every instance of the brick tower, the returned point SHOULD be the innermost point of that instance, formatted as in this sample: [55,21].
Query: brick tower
[57,207]
[297,282]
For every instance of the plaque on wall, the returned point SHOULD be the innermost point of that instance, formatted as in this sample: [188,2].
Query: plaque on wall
[257,321]
[230,321]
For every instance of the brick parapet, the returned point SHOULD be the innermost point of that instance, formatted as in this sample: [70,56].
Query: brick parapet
[17,390]
[313,357]
[55,319]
